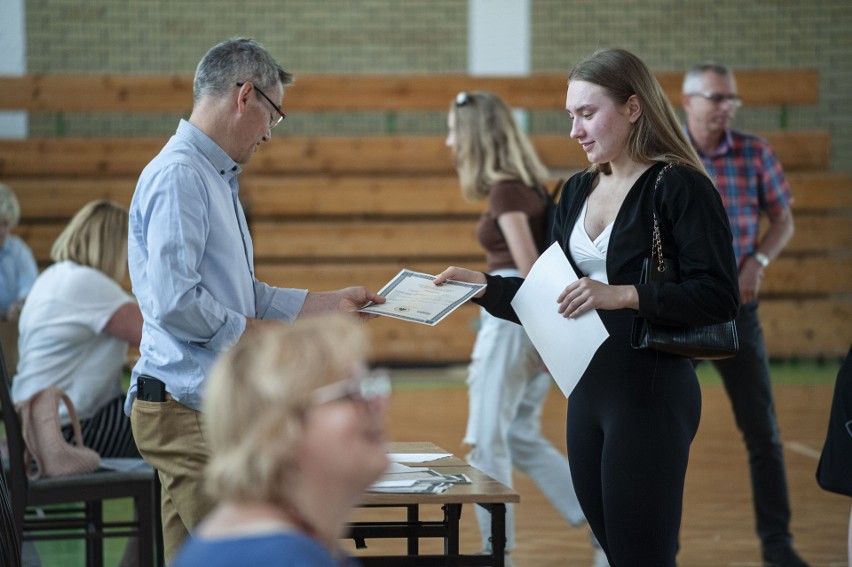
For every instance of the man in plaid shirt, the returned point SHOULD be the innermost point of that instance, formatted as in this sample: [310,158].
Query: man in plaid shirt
[751,181]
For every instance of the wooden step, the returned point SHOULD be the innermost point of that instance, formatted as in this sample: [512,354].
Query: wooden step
[809,328]
[785,278]
[356,195]
[544,91]
[331,155]
[808,276]
[813,327]
[411,239]
[819,234]
[402,342]
[301,195]
[820,191]
[353,240]
[331,276]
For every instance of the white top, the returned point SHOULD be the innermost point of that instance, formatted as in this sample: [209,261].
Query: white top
[588,254]
[62,340]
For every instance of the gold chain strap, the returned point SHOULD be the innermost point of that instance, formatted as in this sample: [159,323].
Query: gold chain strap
[656,241]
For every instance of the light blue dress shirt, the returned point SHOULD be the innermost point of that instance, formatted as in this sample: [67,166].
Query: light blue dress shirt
[18,271]
[191,263]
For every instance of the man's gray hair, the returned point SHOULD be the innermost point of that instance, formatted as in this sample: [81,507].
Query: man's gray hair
[237,60]
[693,79]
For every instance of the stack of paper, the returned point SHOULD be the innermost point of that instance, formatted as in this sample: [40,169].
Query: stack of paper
[416,480]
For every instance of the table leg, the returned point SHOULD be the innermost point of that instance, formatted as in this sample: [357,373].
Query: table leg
[498,534]
[452,513]
[413,539]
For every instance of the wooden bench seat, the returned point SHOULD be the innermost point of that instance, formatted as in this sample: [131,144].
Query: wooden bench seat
[343,155]
[799,275]
[543,91]
[300,195]
[279,205]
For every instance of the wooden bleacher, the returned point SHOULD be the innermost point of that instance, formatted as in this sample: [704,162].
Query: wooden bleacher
[332,211]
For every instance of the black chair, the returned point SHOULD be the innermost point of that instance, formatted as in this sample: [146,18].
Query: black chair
[71,507]
[10,543]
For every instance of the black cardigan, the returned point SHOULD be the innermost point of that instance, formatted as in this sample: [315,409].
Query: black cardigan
[694,229]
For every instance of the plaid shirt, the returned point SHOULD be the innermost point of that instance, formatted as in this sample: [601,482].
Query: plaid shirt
[750,179]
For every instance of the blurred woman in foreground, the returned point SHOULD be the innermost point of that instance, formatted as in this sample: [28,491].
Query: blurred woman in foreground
[295,424]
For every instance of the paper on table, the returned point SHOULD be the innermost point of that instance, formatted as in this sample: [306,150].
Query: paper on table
[426,481]
[393,484]
[566,345]
[398,468]
[416,457]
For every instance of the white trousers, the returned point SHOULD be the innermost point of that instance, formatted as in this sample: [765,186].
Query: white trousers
[507,386]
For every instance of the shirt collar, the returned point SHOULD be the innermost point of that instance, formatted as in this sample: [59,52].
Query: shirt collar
[218,158]
[725,145]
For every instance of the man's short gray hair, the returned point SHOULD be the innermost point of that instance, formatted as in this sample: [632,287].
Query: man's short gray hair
[693,78]
[237,60]
[10,210]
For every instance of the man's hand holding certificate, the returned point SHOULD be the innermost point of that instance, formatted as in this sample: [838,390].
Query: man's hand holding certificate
[411,296]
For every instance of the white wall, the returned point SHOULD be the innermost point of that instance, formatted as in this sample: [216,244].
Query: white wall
[499,40]
[499,37]
[13,61]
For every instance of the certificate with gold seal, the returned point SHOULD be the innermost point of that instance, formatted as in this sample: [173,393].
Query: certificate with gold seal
[411,296]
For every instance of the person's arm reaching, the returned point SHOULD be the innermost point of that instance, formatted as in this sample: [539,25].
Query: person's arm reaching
[345,300]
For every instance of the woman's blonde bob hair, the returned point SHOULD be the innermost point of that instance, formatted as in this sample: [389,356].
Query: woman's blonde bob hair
[657,135]
[256,398]
[96,237]
[490,147]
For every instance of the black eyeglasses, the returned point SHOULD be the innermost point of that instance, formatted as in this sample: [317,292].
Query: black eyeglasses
[719,98]
[273,122]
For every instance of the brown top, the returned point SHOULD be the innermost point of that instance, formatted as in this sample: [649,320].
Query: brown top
[504,197]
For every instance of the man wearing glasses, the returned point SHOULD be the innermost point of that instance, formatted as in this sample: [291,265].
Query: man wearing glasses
[751,181]
[191,263]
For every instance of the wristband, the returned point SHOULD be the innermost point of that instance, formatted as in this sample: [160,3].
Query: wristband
[761,258]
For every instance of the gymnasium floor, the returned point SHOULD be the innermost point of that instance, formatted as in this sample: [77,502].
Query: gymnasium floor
[717,531]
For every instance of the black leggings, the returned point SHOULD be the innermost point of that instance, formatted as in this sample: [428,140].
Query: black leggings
[107,432]
[631,420]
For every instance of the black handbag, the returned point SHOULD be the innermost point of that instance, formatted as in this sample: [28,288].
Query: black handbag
[706,342]
[834,471]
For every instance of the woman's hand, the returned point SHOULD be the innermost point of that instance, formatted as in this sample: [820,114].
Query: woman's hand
[461,275]
[586,294]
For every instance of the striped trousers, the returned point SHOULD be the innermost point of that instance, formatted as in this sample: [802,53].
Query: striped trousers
[107,432]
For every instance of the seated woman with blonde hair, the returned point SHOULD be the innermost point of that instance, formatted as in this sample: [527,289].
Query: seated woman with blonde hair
[295,425]
[77,324]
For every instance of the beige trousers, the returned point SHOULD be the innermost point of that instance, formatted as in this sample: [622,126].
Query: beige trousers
[169,438]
